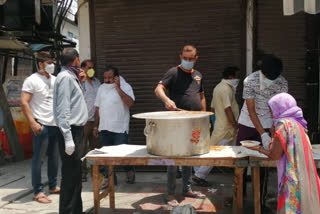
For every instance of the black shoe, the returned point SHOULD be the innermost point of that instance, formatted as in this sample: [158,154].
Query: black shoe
[200,182]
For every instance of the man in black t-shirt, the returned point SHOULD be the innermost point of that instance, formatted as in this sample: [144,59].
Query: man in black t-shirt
[186,92]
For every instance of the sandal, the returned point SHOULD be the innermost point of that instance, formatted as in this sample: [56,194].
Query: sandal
[197,195]
[131,177]
[55,191]
[42,198]
[172,202]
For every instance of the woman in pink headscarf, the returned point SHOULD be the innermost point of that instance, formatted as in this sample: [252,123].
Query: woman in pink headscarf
[298,181]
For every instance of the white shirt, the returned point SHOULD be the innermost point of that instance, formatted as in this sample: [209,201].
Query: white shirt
[90,93]
[252,90]
[41,103]
[114,114]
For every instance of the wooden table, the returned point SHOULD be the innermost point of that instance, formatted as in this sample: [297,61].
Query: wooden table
[137,155]
[256,163]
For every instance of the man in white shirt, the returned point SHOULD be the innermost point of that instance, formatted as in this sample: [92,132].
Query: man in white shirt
[37,105]
[114,99]
[90,88]
[255,119]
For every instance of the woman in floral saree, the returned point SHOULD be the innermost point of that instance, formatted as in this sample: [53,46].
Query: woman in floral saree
[298,181]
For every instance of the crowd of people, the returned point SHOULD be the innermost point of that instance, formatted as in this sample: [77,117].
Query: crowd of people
[67,115]
[73,113]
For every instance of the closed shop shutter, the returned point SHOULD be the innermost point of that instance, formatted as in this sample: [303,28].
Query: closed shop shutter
[143,39]
[284,36]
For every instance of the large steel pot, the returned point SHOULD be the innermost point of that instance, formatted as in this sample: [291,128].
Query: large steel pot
[177,133]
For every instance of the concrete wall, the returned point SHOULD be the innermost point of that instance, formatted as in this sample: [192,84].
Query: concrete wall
[68,28]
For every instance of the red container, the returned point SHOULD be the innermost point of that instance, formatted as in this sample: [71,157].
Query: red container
[25,140]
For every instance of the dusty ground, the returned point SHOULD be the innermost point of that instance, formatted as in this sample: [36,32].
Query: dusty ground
[145,196]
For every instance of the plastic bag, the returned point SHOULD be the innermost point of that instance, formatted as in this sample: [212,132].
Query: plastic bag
[185,209]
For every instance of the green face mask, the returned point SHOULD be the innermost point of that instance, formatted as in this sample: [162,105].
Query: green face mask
[90,73]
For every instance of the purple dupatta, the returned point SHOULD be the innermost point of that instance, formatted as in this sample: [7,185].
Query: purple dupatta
[283,105]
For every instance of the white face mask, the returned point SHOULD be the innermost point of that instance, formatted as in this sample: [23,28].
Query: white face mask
[110,85]
[49,68]
[234,83]
[265,82]
[268,82]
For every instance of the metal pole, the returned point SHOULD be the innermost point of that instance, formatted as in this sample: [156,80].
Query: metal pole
[15,66]
[4,68]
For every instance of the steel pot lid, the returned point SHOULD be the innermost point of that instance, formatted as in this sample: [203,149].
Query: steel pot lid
[170,115]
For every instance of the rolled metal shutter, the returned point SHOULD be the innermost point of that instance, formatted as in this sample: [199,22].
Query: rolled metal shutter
[284,36]
[294,39]
[143,39]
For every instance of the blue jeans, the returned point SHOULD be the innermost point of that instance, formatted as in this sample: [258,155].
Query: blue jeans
[111,138]
[46,138]
[186,179]
[108,138]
